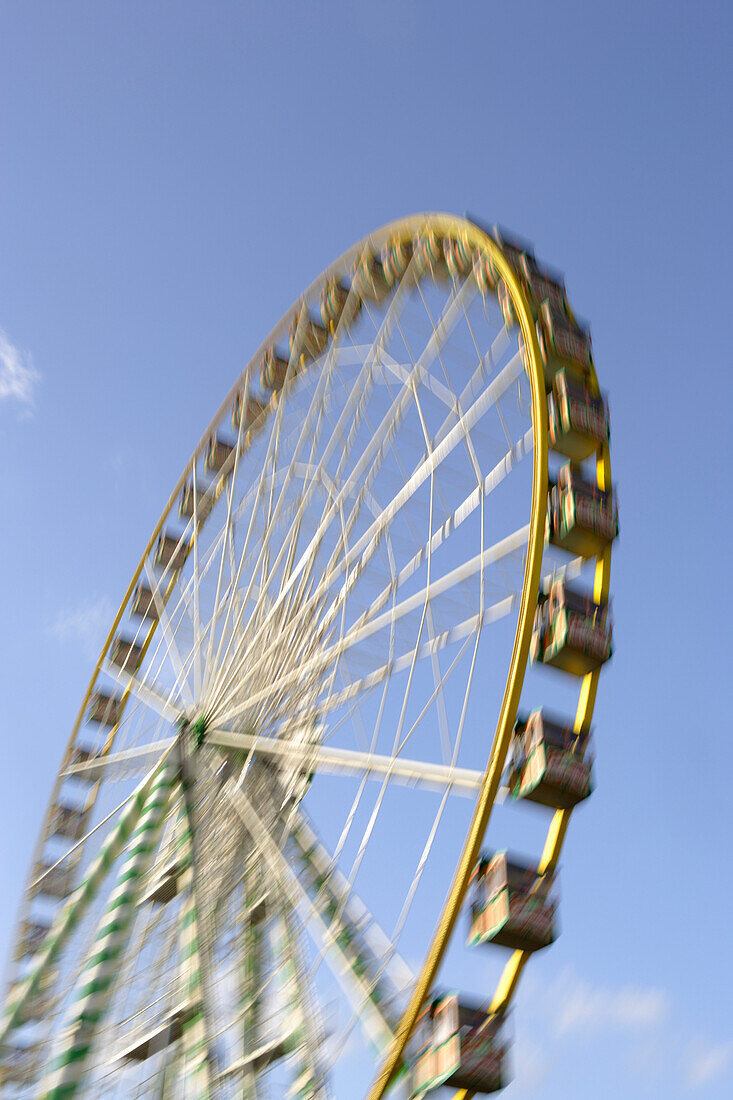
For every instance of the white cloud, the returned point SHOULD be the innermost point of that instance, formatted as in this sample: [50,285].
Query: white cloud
[86,624]
[640,1023]
[530,1066]
[707,1061]
[570,1005]
[18,376]
[579,1006]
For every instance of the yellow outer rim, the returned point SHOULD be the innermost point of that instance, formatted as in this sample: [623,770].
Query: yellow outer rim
[583,717]
[517,667]
[404,229]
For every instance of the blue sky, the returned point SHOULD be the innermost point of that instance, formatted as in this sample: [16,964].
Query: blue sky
[174,174]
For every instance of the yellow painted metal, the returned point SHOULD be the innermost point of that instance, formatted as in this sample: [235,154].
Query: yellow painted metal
[515,678]
[584,715]
[405,229]
[556,834]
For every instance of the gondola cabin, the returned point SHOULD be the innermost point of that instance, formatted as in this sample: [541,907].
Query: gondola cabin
[20,1065]
[143,603]
[68,822]
[334,297]
[274,370]
[217,454]
[581,518]
[458,257]
[430,255]
[550,763]
[199,503]
[55,881]
[171,552]
[515,250]
[104,708]
[564,344]
[487,277]
[511,905]
[369,279]
[506,305]
[577,419]
[255,413]
[306,339]
[31,937]
[571,632]
[541,285]
[126,654]
[396,258]
[80,756]
[459,1046]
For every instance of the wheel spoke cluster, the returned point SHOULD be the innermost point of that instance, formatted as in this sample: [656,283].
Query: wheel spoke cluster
[291,682]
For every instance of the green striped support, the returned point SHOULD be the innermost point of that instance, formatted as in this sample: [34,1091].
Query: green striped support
[68,918]
[301,1037]
[194,1048]
[251,976]
[346,939]
[96,980]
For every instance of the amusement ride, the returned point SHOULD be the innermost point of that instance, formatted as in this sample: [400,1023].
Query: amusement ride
[373,611]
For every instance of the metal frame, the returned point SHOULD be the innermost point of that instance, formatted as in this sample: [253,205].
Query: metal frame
[486,784]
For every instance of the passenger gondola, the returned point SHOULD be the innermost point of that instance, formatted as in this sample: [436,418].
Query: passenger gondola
[571,632]
[459,1046]
[581,518]
[511,904]
[577,418]
[550,763]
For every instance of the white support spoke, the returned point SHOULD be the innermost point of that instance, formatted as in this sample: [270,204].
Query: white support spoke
[139,756]
[368,543]
[365,469]
[265,475]
[377,1028]
[349,417]
[168,636]
[457,633]
[492,554]
[227,535]
[366,627]
[403,371]
[196,584]
[429,464]
[350,414]
[336,761]
[144,692]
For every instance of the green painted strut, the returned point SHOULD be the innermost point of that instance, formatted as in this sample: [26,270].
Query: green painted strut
[251,976]
[194,1048]
[68,918]
[303,1040]
[95,983]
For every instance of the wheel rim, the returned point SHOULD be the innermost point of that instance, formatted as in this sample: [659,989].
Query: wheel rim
[335,570]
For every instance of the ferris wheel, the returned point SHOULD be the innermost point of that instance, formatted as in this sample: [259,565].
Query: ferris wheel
[271,811]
